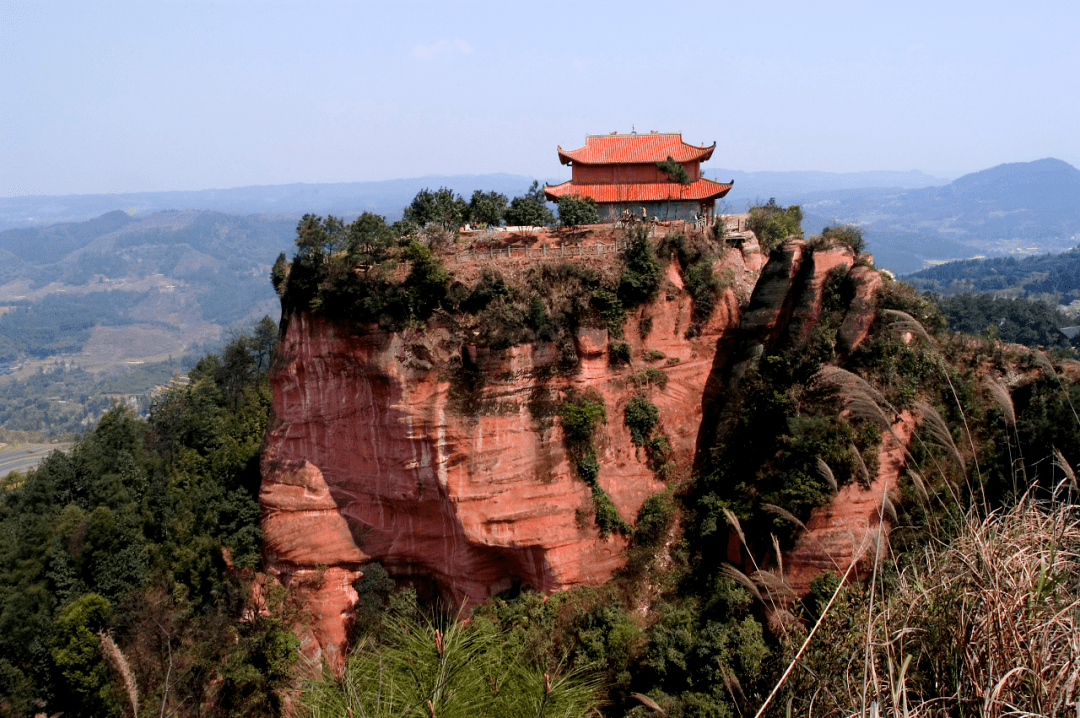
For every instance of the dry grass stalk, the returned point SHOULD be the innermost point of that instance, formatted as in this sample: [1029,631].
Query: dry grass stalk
[826,473]
[116,660]
[986,625]
[1003,399]
[733,521]
[939,432]
[920,486]
[784,514]
[905,323]
[864,473]
[775,586]
[741,578]
[1063,465]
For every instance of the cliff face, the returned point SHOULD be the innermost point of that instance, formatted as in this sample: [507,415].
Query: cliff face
[446,462]
[383,447]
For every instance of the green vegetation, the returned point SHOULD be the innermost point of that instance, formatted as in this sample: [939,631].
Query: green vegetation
[530,209]
[641,417]
[674,170]
[650,376]
[1050,277]
[576,211]
[442,208]
[61,323]
[847,235]
[619,353]
[123,541]
[1020,321]
[487,208]
[640,278]
[423,665]
[582,416]
[696,257]
[773,224]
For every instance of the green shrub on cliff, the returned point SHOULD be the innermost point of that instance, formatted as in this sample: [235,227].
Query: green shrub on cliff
[640,416]
[773,224]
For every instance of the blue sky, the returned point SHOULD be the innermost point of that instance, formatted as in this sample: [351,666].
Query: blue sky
[163,95]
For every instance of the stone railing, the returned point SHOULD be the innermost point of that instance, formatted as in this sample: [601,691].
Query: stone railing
[544,251]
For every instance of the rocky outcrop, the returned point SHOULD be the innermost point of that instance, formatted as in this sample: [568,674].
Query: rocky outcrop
[855,525]
[446,461]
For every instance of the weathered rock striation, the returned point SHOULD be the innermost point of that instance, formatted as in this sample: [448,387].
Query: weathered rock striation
[446,461]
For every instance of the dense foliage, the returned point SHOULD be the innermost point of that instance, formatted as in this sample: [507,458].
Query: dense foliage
[1055,277]
[1020,321]
[124,541]
[61,323]
[773,224]
[529,209]
[576,211]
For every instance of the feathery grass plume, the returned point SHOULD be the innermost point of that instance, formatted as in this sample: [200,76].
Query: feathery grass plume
[734,687]
[889,508]
[116,660]
[846,382]
[733,521]
[859,398]
[903,322]
[1063,465]
[774,585]
[920,486]
[938,431]
[825,472]
[779,555]
[1043,363]
[741,578]
[784,514]
[1003,399]
[648,702]
[864,473]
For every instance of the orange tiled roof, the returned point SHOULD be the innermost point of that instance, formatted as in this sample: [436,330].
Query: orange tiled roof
[703,189]
[635,149]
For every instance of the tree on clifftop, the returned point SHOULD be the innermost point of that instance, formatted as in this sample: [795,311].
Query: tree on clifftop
[487,208]
[442,208]
[576,211]
[530,209]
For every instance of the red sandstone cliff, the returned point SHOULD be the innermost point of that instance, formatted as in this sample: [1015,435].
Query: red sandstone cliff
[370,456]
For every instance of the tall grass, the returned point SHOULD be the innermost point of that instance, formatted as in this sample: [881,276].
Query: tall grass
[982,620]
[987,625]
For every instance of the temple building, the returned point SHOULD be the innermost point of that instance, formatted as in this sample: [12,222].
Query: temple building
[620,172]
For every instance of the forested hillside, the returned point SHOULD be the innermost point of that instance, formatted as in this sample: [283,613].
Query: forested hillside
[1051,277]
[125,564]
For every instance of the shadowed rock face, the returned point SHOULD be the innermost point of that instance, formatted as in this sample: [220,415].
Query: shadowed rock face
[446,462]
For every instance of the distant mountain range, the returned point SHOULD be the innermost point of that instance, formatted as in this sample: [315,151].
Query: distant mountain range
[343,199]
[910,219]
[389,197]
[1019,208]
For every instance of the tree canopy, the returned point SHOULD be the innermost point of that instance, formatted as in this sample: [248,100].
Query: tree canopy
[441,207]
[575,211]
[529,209]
